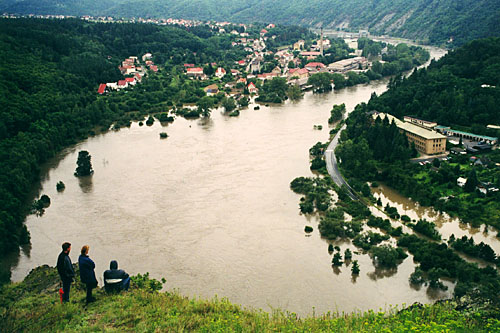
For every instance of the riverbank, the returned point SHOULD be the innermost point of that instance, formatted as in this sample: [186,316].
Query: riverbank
[33,305]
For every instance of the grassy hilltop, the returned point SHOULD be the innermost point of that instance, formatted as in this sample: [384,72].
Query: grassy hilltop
[33,305]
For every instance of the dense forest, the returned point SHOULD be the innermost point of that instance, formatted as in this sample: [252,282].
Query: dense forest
[460,90]
[434,21]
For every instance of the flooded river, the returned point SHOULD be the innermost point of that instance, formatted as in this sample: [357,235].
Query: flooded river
[210,209]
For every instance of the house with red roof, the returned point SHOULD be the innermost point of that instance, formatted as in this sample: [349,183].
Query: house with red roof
[122,84]
[299,72]
[263,32]
[242,62]
[196,72]
[131,81]
[154,68]
[315,67]
[252,89]
[220,72]
[102,88]
[188,65]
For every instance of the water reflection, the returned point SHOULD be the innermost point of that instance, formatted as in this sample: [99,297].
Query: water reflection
[380,273]
[446,225]
[86,184]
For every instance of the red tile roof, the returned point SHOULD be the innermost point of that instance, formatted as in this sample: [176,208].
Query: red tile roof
[122,83]
[195,70]
[101,89]
[315,64]
[129,79]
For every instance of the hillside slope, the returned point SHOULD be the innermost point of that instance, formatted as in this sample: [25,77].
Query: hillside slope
[435,21]
[33,305]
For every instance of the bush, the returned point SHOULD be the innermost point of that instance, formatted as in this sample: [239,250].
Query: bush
[60,186]
[308,229]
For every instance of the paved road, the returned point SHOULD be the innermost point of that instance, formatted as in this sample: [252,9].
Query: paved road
[332,166]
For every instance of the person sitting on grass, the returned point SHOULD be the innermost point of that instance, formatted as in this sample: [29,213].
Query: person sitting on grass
[115,279]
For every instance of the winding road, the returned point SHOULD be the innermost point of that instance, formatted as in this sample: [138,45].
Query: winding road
[332,165]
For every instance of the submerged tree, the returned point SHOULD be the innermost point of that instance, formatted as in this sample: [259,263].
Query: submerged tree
[84,166]
[355,268]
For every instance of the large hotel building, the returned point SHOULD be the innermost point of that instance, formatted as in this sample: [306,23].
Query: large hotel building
[426,141]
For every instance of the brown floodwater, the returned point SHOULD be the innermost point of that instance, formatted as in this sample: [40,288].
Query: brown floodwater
[445,224]
[210,209]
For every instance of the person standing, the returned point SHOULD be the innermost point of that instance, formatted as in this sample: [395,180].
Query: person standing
[65,270]
[87,273]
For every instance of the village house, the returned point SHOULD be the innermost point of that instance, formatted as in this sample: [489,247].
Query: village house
[242,80]
[220,72]
[276,71]
[154,68]
[235,72]
[147,56]
[315,67]
[299,45]
[211,90]
[196,72]
[461,181]
[252,89]
[130,81]
[301,73]
[122,84]
[112,85]
[266,76]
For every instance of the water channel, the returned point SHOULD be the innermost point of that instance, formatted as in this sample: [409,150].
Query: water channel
[210,209]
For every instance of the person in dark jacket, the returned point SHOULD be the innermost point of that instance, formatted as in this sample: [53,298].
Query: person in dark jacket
[87,274]
[65,270]
[115,279]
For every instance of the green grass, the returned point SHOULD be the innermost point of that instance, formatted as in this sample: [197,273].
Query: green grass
[33,305]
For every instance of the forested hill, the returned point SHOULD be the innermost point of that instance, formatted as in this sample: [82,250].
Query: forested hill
[435,21]
[461,89]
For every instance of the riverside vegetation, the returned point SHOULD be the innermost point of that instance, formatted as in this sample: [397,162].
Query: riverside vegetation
[375,150]
[33,305]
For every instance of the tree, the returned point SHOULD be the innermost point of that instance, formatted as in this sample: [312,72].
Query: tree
[347,254]
[243,101]
[321,82]
[337,259]
[60,186]
[355,268]
[204,106]
[84,165]
[386,255]
[228,103]
[294,92]
[472,181]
